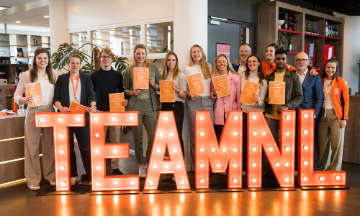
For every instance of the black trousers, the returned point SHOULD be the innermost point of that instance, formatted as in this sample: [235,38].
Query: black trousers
[178,110]
[83,138]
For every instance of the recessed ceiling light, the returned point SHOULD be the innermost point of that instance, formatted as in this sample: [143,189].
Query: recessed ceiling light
[3,8]
[18,22]
[46,16]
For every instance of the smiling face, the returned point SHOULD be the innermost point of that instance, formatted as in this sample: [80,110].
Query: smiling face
[221,64]
[270,53]
[301,61]
[42,61]
[244,52]
[330,69]
[196,54]
[281,61]
[253,63]
[140,56]
[105,59]
[74,65]
[171,62]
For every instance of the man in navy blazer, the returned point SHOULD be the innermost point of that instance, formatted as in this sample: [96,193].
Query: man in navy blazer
[313,94]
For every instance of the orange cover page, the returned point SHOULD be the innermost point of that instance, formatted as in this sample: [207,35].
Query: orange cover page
[248,93]
[167,92]
[222,85]
[74,107]
[196,85]
[277,92]
[141,78]
[116,100]
[34,90]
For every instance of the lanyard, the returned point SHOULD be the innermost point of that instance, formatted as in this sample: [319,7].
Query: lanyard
[326,94]
[77,85]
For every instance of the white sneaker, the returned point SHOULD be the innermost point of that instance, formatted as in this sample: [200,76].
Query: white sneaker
[34,187]
[52,182]
[74,180]
[243,173]
[296,173]
[142,172]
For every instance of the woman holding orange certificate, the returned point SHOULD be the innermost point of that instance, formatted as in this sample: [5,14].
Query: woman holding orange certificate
[226,103]
[198,102]
[172,72]
[143,100]
[42,73]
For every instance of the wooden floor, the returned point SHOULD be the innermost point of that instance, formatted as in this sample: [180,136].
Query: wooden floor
[17,200]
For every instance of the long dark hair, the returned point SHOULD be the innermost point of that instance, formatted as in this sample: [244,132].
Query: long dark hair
[166,70]
[34,69]
[333,60]
[260,69]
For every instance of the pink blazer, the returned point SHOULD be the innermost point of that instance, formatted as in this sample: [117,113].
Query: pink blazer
[227,103]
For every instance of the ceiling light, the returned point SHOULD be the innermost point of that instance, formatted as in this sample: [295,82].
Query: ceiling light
[18,22]
[3,8]
[46,16]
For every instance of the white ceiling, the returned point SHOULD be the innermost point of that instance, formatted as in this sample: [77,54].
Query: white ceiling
[28,12]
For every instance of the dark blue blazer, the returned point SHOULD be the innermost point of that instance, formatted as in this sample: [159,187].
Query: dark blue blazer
[236,68]
[313,94]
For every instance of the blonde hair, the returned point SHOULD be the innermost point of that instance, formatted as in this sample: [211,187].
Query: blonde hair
[176,69]
[205,68]
[108,51]
[146,63]
[229,65]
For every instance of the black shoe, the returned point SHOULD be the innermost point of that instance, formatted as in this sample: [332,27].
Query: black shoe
[85,180]
[117,172]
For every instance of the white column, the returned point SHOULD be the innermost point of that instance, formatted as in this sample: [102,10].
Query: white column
[190,27]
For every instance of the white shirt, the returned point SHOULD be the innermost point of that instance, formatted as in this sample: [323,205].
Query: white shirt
[241,68]
[47,89]
[71,90]
[302,76]
[261,92]
[191,70]
[328,104]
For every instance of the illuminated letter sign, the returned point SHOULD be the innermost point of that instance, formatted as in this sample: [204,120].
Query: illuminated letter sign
[166,135]
[60,122]
[308,177]
[207,149]
[280,158]
[101,151]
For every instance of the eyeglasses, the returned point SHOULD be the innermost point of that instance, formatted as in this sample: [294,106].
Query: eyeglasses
[106,57]
[301,60]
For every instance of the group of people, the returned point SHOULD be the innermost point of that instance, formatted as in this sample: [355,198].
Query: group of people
[304,89]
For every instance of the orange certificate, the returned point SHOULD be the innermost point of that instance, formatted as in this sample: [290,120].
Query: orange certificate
[116,100]
[277,92]
[141,78]
[34,90]
[74,107]
[248,93]
[196,85]
[167,92]
[222,85]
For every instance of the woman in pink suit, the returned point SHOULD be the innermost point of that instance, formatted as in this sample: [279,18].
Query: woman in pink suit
[227,103]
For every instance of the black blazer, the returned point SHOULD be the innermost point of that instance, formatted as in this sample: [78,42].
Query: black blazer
[62,94]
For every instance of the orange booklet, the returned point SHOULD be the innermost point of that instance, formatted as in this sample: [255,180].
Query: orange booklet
[74,107]
[116,100]
[34,90]
[167,92]
[196,85]
[141,78]
[277,92]
[222,85]
[248,93]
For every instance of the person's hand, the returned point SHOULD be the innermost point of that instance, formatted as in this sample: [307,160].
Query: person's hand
[237,62]
[176,88]
[313,72]
[194,97]
[136,92]
[64,109]
[125,102]
[25,100]
[214,92]
[267,100]
[152,82]
[281,108]
[256,98]
[91,109]
[342,123]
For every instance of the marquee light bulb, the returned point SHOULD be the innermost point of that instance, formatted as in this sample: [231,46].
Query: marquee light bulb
[234,149]
[114,118]
[131,118]
[254,148]
[97,151]
[201,165]
[218,165]
[166,166]
[98,183]
[62,151]
[263,133]
[77,118]
[306,147]
[235,134]
[236,117]
[161,134]
[171,134]
[158,150]
[287,148]
[115,182]
[234,180]
[201,117]
[202,180]
[178,165]
[62,167]
[254,133]
[254,117]
[286,179]
[115,150]
[154,166]
[60,119]
[306,115]
[305,163]
[286,164]
[306,132]
[182,181]
[166,118]
[322,178]
[277,164]
[97,118]
[224,149]
[234,165]
[254,164]
[287,117]
[174,150]
[97,135]
[132,182]
[63,183]
[98,167]
[151,182]
[253,179]
[202,134]
[61,135]
[287,133]
[202,149]
[213,149]
[337,177]
[42,119]
[305,178]
[270,148]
